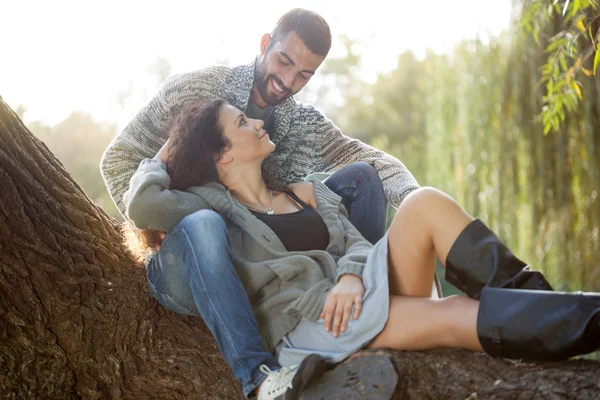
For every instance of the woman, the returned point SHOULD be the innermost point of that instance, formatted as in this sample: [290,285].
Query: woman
[316,286]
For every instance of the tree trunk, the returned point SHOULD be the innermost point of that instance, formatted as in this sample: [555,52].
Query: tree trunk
[77,321]
[76,316]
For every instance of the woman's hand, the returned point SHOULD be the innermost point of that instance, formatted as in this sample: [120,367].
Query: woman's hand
[162,237]
[348,292]
[163,153]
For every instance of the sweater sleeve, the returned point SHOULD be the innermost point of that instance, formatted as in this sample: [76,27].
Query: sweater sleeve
[356,249]
[149,202]
[141,138]
[334,150]
[145,134]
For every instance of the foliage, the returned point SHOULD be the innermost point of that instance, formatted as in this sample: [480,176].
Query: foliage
[466,122]
[78,142]
[568,51]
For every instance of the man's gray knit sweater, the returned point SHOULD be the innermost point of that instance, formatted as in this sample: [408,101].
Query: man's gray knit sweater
[306,141]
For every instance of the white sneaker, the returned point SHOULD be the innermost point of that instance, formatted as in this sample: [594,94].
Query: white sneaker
[289,382]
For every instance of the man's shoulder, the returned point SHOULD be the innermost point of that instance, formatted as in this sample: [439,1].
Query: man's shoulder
[208,75]
[233,83]
[307,113]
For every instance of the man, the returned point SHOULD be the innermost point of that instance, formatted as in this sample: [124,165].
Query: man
[306,142]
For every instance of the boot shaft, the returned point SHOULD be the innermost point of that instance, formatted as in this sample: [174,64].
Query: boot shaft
[538,325]
[478,259]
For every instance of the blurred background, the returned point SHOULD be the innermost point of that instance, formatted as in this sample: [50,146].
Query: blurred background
[470,94]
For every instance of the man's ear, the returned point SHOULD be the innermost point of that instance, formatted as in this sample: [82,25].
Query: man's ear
[264,43]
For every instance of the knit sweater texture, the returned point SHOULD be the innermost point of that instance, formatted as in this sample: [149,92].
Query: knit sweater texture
[306,141]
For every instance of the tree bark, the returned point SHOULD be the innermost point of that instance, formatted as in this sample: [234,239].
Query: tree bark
[77,321]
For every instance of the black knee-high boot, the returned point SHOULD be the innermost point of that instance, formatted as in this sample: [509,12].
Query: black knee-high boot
[478,259]
[538,325]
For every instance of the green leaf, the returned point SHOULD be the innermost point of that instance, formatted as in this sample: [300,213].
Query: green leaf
[573,10]
[547,68]
[536,34]
[596,60]
[564,11]
[547,128]
[554,45]
[563,62]
[556,8]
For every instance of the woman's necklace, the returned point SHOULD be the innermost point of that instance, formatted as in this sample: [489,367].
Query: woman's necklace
[268,211]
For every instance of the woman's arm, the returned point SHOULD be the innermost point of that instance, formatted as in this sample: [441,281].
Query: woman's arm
[149,202]
[356,249]
[345,298]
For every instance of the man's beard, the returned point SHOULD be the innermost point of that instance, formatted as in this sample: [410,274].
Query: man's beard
[261,79]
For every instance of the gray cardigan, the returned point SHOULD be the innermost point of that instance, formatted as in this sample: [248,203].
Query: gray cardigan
[282,286]
[306,141]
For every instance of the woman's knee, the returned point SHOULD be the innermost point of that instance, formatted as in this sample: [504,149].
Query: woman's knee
[416,207]
[204,220]
[424,201]
[204,231]
[423,196]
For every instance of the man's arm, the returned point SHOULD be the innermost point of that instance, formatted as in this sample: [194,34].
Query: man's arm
[334,150]
[356,250]
[140,139]
[147,132]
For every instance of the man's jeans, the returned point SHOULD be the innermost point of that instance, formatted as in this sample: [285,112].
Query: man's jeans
[193,273]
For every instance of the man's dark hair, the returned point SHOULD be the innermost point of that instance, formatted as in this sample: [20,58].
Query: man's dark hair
[310,26]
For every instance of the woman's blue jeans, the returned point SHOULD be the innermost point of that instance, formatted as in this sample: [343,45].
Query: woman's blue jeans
[193,273]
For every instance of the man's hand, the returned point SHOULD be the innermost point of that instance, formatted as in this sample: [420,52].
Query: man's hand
[348,292]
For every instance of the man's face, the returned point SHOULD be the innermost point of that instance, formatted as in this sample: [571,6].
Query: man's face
[284,69]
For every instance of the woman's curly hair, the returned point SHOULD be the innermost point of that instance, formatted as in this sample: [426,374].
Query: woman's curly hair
[196,143]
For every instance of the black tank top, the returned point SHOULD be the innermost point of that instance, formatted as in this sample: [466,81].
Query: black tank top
[298,231]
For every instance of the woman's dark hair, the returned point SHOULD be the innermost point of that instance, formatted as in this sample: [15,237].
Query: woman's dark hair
[196,142]
[310,26]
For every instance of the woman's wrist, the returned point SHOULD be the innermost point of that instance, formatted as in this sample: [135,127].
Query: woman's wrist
[349,277]
[163,153]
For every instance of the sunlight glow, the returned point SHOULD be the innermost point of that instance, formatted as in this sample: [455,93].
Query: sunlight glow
[70,55]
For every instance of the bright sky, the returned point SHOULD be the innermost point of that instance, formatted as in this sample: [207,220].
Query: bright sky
[62,55]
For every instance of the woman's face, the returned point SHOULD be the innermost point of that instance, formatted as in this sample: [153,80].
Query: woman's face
[248,141]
